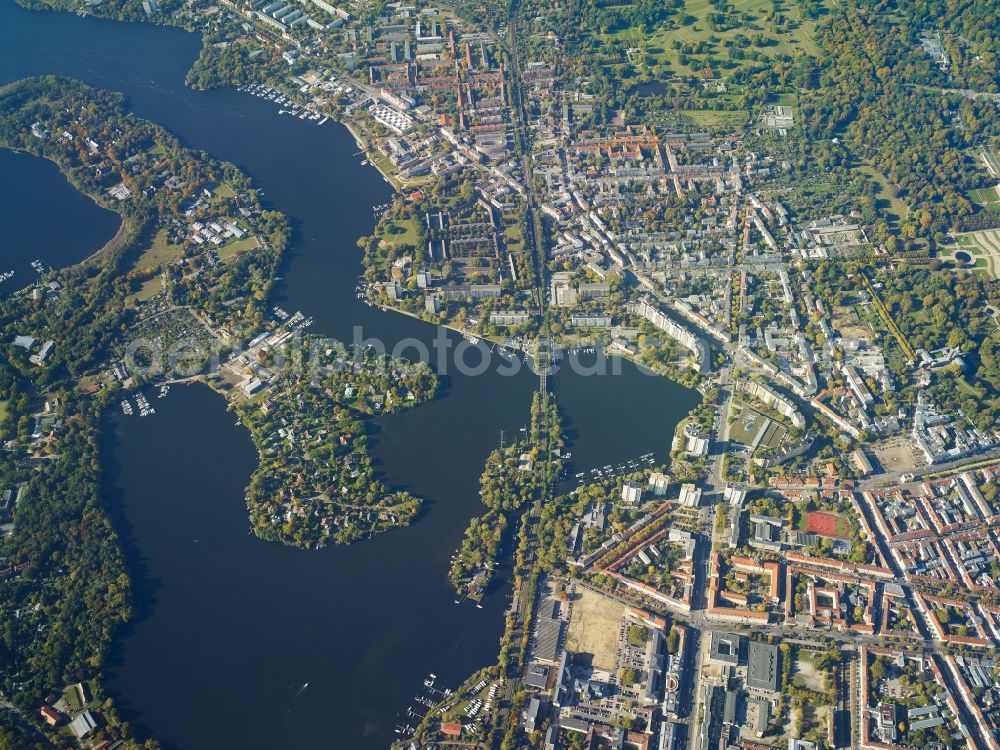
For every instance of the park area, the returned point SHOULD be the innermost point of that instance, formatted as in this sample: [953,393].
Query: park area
[980,250]
[160,253]
[712,41]
[991,158]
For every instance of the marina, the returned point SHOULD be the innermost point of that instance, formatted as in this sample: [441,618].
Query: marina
[367,662]
[141,403]
[301,112]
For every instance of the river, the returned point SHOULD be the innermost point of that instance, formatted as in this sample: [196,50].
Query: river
[229,628]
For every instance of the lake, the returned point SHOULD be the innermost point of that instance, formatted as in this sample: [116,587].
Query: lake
[230,628]
[68,226]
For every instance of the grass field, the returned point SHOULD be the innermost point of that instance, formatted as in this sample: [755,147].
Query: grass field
[699,44]
[751,428]
[895,208]
[512,238]
[987,197]
[223,190]
[717,120]
[746,425]
[232,249]
[149,289]
[984,247]
[160,253]
[401,233]
[773,435]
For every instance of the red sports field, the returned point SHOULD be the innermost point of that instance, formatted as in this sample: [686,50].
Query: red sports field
[824,524]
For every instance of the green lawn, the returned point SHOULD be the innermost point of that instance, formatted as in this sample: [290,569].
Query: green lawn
[749,18]
[895,208]
[512,238]
[987,197]
[717,120]
[401,233]
[747,425]
[224,190]
[775,434]
[232,249]
[160,253]
[785,99]
[72,699]
[149,289]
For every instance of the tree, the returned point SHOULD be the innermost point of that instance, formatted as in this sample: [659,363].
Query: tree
[877,671]
[673,641]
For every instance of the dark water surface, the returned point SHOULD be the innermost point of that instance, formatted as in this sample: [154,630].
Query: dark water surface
[651,88]
[44,218]
[231,628]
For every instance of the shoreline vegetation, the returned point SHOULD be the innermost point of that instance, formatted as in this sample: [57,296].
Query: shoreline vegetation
[64,552]
[108,247]
[310,437]
[658,178]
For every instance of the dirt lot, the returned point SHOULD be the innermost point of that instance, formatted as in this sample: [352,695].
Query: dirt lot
[847,325]
[809,677]
[594,626]
[896,454]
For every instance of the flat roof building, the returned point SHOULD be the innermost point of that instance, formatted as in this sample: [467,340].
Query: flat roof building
[631,493]
[764,668]
[533,716]
[537,676]
[727,648]
[690,495]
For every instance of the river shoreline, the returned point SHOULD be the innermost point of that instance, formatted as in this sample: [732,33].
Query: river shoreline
[230,621]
